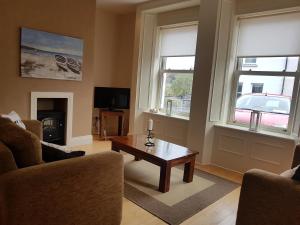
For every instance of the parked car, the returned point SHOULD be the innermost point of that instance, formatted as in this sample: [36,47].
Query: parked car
[275,109]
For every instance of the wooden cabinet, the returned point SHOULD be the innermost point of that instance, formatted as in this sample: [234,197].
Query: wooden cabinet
[103,121]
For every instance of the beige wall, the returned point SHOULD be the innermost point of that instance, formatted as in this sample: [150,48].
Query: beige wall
[125,43]
[114,39]
[72,18]
[252,6]
[106,36]
[178,16]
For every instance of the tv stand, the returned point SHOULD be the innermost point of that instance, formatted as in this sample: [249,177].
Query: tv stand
[108,113]
[113,110]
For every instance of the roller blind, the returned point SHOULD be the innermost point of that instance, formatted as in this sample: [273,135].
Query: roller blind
[178,41]
[270,35]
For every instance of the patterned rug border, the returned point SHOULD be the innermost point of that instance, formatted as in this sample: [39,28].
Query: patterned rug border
[188,207]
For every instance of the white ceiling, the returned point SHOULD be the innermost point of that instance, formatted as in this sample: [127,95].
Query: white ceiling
[120,6]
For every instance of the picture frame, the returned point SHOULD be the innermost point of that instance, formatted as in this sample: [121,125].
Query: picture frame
[50,56]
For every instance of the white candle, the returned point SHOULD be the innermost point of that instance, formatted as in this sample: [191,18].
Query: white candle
[150,124]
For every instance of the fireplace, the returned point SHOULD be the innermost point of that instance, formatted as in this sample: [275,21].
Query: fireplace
[55,111]
[53,126]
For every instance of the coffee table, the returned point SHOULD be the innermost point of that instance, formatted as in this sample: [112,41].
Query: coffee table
[164,154]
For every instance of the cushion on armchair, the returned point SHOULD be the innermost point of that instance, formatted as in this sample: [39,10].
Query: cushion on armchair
[52,154]
[14,117]
[24,145]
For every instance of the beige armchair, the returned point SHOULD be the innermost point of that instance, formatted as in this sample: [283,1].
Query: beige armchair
[269,199]
[80,191]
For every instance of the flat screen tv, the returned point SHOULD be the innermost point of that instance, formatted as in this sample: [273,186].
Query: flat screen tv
[112,98]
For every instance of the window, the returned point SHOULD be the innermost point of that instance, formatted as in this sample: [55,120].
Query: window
[271,86]
[270,92]
[257,87]
[177,59]
[177,81]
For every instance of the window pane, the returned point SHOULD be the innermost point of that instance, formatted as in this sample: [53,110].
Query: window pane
[277,64]
[250,61]
[271,85]
[180,63]
[269,94]
[257,88]
[177,88]
[239,89]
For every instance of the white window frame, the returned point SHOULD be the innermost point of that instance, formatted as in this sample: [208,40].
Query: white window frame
[162,63]
[294,101]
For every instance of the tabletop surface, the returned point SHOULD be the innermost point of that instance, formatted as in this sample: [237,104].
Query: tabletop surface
[162,149]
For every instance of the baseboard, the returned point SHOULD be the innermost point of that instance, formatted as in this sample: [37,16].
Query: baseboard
[198,165]
[232,170]
[81,140]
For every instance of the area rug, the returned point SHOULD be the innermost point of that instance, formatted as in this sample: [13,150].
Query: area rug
[182,201]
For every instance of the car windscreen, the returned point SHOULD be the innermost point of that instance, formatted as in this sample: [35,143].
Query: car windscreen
[262,103]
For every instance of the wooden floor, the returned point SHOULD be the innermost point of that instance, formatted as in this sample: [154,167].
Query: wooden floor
[222,212]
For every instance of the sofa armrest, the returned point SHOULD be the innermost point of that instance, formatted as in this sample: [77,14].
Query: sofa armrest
[268,199]
[35,127]
[7,161]
[82,191]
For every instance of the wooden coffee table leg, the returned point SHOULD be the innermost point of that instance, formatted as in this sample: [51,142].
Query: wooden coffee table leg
[114,148]
[189,171]
[137,158]
[164,180]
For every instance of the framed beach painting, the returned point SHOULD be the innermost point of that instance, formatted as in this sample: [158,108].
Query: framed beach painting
[50,56]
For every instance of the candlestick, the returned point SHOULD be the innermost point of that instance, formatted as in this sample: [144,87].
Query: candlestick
[149,142]
[150,124]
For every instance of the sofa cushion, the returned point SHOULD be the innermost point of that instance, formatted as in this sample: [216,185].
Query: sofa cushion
[14,117]
[52,154]
[7,161]
[24,145]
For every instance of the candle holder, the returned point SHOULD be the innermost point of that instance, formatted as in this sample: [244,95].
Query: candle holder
[255,120]
[149,142]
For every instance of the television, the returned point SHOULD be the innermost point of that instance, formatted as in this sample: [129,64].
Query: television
[112,98]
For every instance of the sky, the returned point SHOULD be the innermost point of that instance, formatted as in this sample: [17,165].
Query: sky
[51,42]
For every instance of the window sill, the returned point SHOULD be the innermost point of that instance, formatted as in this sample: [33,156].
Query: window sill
[260,132]
[169,117]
